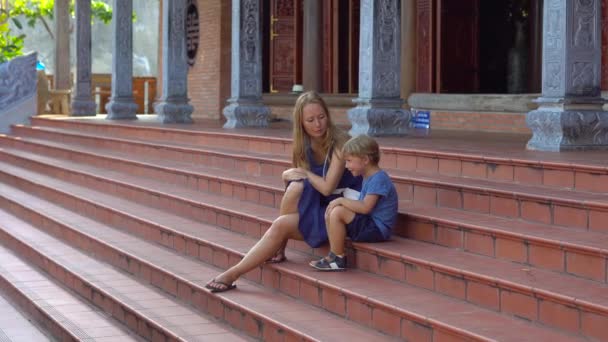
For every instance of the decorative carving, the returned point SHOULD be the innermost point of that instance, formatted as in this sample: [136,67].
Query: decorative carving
[567,130]
[285,8]
[582,77]
[173,106]
[604,35]
[17,80]
[192,31]
[379,109]
[82,101]
[553,76]
[122,105]
[583,36]
[574,66]
[245,107]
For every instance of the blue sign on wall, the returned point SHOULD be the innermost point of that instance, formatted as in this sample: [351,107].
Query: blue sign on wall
[421,119]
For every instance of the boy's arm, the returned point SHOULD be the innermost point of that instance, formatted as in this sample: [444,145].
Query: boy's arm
[364,206]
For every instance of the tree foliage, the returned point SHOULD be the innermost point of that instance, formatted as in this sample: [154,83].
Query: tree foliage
[32,12]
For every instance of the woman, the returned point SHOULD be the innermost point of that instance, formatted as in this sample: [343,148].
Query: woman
[318,170]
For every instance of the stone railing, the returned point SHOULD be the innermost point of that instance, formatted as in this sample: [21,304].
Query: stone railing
[18,82]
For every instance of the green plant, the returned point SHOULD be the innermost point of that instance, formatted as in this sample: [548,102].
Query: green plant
[34,11]
[10,46]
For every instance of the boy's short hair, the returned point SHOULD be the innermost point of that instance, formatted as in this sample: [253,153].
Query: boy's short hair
[361,146]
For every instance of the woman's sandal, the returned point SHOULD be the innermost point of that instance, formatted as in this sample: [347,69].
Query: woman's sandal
[223,287]
[276,260]
[278,257]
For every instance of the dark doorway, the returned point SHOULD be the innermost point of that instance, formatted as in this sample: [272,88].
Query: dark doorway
[510,45]
[486,46]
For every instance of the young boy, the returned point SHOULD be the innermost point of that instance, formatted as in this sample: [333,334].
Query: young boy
[369,219]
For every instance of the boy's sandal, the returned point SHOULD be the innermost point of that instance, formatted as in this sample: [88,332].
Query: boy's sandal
[220,286]
[326,265]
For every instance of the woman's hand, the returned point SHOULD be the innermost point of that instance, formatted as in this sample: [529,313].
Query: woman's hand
[294,174]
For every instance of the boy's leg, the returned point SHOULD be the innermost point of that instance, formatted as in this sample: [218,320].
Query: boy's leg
[336,228]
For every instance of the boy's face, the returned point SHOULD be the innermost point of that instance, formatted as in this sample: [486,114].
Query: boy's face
[356,165]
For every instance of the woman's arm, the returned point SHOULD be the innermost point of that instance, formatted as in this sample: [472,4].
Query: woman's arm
[332,178]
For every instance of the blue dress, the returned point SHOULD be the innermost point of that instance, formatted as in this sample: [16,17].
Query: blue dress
[312,204]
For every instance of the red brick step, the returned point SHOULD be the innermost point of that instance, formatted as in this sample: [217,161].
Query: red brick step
[261,312]
[62,314]
[185,247]
[493,157]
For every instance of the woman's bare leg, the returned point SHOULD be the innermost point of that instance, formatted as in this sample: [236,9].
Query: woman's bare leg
[289,205]
[283,228]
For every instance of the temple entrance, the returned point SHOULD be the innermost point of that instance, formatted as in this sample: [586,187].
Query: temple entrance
[282,31]
[473,46]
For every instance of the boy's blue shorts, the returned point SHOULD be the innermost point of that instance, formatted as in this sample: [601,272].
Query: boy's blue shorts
[364,229]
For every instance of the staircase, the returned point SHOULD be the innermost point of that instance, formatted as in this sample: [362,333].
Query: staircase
[111,229]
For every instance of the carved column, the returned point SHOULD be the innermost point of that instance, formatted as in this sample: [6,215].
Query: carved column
[245,107]
[378,110]
[122,105]
[173,105]
[62,45]
[312,42]
[82,102]
[570,112]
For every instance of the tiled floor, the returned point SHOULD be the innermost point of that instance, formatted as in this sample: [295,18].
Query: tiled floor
[14,326]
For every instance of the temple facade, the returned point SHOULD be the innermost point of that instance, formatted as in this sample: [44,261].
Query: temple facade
[517,66]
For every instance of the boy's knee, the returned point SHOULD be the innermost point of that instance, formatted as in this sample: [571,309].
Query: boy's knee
[338,213]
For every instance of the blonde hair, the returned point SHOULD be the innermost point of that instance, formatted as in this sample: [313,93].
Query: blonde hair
[333,138]
[363,146]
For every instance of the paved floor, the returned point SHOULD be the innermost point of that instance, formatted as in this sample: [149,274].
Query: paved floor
[15,327]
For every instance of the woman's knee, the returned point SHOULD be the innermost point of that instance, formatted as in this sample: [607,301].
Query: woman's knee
[282,227]
[294,189]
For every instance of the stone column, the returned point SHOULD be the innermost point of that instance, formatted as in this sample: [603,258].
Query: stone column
[408,50]
[62,78]
[173,106]
[245,107]
[122,105]
[312,45]
[82,102]
[570,112]
[379,110]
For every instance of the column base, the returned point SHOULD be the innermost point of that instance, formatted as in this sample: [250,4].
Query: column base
[564,130]
[172,112]
[378,121]
[246,115]
[83,107]
[121,110]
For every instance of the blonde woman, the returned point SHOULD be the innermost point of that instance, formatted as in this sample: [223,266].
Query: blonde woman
[318,170]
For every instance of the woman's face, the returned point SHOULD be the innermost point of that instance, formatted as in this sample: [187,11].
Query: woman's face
[314,120]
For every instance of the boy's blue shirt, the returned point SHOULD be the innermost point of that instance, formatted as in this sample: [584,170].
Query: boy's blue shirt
[384,213]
